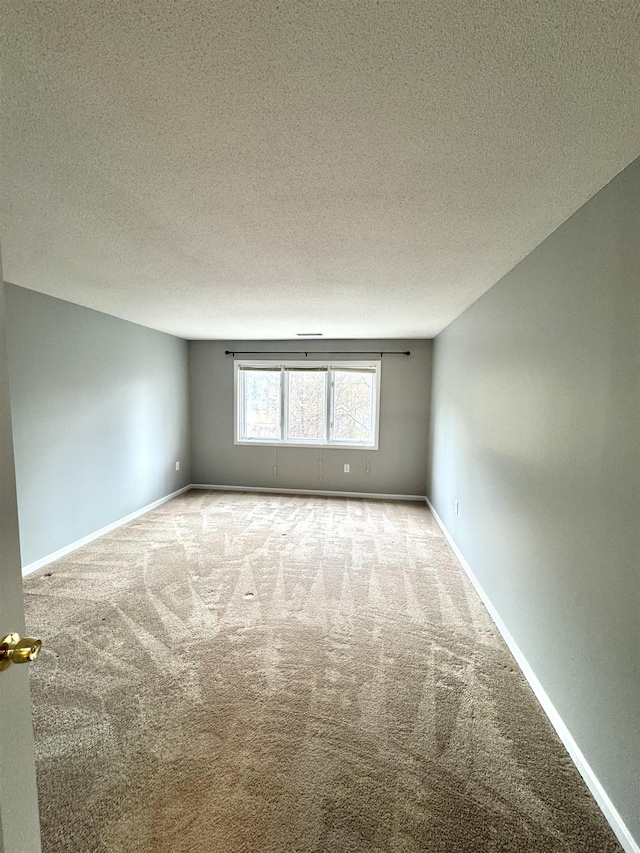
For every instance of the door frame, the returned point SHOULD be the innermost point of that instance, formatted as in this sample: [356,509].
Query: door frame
[19,817]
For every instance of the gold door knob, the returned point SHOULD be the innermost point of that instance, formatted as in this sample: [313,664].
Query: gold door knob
[14,649]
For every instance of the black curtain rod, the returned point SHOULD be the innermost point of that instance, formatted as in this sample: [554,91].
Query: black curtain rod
[313,352]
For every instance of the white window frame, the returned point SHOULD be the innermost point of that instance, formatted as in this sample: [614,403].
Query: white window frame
[329,366]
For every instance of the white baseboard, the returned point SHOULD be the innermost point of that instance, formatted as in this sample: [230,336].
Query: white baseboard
[62,552]
[599,794]
[317,492]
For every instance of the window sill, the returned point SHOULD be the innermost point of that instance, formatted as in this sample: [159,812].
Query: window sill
[309,445]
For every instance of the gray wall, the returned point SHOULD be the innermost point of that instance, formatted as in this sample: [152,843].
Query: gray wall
[398,467]
[535,429]
[100,417]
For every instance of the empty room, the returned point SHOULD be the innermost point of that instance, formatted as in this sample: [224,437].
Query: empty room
[319,426]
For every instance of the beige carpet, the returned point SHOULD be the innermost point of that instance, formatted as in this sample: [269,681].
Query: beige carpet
[362,700]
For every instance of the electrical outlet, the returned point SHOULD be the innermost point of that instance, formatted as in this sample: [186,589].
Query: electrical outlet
[177,466]
[347,468]
[455,507]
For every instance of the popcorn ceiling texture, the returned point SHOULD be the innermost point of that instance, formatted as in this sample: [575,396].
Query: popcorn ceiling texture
[257,169]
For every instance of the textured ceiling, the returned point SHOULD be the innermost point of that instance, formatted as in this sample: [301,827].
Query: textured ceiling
[257,169]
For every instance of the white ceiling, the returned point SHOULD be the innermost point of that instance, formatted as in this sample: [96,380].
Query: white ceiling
[257,169]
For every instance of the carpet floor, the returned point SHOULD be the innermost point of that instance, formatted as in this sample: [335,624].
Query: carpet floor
[242,673]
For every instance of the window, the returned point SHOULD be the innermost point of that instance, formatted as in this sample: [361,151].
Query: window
[307,403]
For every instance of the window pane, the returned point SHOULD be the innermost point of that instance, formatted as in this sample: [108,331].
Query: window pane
[306,405]
[352,406]
[261,404]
